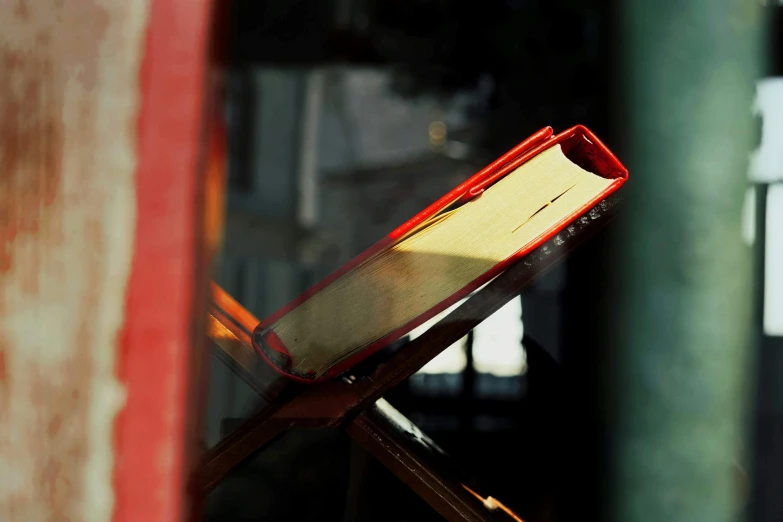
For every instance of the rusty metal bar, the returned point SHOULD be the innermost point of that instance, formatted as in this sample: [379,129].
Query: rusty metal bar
[381,430]
[103,191]
[416,460]
[229,326]
[237,446]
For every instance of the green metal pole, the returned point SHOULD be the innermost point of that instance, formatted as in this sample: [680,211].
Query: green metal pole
[684,311]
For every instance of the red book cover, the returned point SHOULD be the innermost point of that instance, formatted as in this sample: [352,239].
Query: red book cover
[578,144]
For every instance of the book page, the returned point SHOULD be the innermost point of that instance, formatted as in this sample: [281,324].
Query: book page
[418,273]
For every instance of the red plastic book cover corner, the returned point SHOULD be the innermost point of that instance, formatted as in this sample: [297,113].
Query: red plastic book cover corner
[578,143]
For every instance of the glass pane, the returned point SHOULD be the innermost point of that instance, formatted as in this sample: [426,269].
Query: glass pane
[230,398]
[346,119]
[314,475]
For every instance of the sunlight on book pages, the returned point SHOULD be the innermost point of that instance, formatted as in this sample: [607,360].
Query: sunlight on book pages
[416,274]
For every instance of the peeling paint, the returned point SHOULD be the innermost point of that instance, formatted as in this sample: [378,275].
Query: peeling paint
[68,109]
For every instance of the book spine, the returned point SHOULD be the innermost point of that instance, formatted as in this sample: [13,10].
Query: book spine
[607,164]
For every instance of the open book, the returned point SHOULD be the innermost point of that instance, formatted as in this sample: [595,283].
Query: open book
[441,255]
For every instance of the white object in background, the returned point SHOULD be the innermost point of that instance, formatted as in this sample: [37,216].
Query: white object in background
[307,170]
[450,360]
[766,162]
[453,358]
[773,263]
[749,216]
[497,342]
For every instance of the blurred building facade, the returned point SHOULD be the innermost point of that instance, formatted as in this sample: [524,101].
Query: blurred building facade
[323,163]
[327,157]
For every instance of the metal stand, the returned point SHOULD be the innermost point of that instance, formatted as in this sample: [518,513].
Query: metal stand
[357,404]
